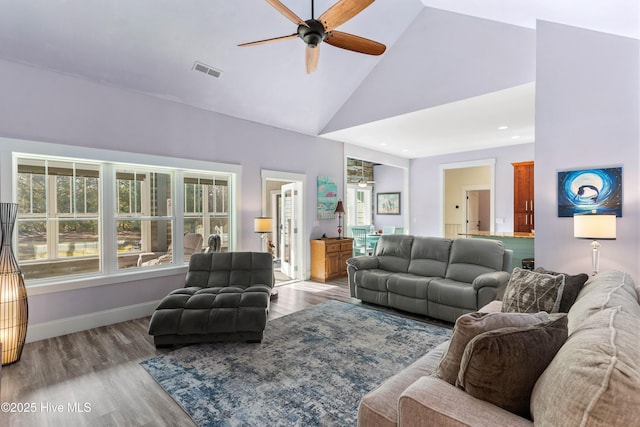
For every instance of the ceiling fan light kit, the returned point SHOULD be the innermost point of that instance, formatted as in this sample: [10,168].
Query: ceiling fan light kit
[315,31]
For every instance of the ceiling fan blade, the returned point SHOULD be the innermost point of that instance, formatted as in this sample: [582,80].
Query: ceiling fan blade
[341,12]
[287,12]
[311,58]
[275,39]
[354,43]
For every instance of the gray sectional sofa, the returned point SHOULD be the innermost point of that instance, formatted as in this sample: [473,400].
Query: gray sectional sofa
[593,380]
[433,276]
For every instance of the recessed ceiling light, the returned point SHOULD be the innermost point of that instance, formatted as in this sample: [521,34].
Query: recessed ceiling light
[503,127]
[515,137]
[383,144]
[405,150]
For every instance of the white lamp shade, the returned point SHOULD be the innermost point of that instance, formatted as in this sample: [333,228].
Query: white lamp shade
[262,224]
[593,226]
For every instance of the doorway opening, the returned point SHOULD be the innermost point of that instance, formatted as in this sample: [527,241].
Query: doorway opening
[283,200]
[477,215]
[461,215]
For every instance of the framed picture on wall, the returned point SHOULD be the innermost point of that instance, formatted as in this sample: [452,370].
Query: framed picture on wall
[588,190]
[327,197]
[388,204]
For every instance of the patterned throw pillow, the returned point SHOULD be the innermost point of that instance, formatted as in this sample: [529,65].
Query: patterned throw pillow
[572,286]
[531,292]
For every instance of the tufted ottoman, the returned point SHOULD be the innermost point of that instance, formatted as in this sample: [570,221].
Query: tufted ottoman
[225,298]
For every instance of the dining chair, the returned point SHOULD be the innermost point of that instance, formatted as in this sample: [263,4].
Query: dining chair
[359,235]
[388,229]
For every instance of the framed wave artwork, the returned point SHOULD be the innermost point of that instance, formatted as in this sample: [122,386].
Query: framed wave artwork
[589,190]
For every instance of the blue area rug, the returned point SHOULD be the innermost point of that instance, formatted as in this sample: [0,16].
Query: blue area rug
[311,369]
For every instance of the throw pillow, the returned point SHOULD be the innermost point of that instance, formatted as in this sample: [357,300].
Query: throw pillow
[530,292]
[503,365]
[572,286]
[467,327]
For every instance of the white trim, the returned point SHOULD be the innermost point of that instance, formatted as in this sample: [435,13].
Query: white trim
[69,325]
[70,283]
[491,162]
[271,175]
[13,148]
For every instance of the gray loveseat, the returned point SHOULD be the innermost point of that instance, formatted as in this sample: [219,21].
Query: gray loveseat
[225,298]
[433,276]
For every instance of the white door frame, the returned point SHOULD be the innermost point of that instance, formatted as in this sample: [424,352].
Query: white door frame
[301,252]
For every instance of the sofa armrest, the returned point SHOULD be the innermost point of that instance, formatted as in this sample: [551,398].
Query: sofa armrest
[363,262]
[434,402]
[495,279]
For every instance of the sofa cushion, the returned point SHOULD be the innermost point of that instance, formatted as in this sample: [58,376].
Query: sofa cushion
[502,366]
[409,285]
[594,380]
[468,327]
[380,406]
[429,256]
[472,257]
[607,289]
[453,293]
[572,286]
[531,292]
[375,280]
[394,252]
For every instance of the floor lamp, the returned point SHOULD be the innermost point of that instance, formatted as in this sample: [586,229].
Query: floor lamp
[14,309]
[264,226]
[595,227]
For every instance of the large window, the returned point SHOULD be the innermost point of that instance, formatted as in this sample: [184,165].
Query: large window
[144,218]
[59,217]
[88,217]
[206,206]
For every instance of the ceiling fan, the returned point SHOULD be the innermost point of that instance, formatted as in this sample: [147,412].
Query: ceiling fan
[315,31]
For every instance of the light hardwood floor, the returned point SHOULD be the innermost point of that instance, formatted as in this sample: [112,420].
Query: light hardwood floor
[98,372]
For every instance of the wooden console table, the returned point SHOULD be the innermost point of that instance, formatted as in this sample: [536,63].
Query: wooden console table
[329,258]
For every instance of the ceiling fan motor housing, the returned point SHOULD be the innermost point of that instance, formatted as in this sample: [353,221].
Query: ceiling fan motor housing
[312,35]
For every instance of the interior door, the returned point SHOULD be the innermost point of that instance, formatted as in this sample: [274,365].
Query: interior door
[289,213]
[473,214]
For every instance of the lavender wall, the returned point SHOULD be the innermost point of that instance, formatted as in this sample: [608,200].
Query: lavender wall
[441,58]
[425,186]
[50,107]
[586,116]
[389,179]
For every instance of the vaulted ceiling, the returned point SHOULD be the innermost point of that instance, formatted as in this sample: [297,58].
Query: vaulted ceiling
[151,47]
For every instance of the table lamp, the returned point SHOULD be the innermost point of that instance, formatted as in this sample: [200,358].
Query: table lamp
[594,226]
[339,210]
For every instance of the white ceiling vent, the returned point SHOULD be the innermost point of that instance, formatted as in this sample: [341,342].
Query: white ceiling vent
[199,66]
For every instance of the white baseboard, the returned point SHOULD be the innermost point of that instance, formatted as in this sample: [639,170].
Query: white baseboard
[69,325]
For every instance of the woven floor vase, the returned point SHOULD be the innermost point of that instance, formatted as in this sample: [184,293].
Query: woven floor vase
[14,309]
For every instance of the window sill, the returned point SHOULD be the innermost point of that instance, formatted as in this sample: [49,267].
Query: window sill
[81,282]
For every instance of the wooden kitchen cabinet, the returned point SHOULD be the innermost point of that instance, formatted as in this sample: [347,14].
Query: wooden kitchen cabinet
[329,258]
[523,201]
